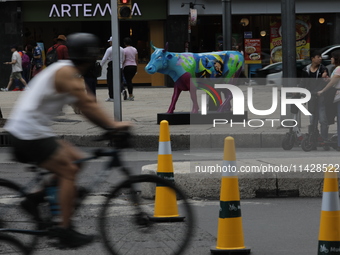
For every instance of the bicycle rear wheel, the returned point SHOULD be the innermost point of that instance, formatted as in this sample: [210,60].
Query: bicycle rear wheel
[13,216]
[10,245]
[126,230]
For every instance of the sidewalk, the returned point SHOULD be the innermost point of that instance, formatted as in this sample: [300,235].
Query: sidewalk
[149,101]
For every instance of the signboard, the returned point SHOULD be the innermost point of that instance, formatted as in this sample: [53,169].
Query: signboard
[42,11]
[303,27]
[248,34]
[252,51]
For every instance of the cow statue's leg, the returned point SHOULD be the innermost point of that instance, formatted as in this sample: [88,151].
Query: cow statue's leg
[226,105]
[177,92]
[193,96]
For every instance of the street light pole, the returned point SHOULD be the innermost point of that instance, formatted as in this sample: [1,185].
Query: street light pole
[288,39]
[288,48]
[117,109]
[226,26]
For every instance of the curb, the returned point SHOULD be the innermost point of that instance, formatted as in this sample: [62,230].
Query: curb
[251,185]
[149,142]
[185,142]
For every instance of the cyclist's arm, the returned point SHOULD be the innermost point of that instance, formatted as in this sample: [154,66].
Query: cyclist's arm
[67,80]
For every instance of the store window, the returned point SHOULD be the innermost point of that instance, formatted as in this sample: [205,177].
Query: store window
[139,32]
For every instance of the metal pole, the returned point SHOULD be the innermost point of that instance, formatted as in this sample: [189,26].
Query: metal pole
[117,109]
[226,26]
[288,39]
[288,48]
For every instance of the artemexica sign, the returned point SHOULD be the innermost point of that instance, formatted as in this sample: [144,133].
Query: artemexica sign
[85,10]
[42,11]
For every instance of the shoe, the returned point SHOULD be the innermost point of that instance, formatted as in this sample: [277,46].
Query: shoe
[4,89]
[131,98]
[109,100]
[124,94]
[69,238]
[16,89]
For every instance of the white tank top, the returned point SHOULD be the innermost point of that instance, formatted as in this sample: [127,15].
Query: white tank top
[32,115]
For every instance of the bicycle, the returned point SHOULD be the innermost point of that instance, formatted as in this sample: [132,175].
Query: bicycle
[126,224]
[312,139]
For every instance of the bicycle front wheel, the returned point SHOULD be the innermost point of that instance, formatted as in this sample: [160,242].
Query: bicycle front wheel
[14,220]
[10,245]
[130,224]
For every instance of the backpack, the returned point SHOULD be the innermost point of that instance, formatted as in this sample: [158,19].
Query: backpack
[51,56]
[25,60]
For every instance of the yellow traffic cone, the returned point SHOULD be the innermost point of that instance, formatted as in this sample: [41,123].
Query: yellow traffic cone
[230,238]
[165,198]
[329,233]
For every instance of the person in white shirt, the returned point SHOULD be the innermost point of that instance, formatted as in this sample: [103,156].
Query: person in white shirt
[109,75]
[16,68]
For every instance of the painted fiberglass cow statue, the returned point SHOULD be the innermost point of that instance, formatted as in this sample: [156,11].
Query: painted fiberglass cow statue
[183,66]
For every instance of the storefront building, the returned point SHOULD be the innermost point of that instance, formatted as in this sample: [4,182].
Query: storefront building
[43,21]
[256,23]
[256,26]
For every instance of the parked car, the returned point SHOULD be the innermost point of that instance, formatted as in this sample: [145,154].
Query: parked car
[260,74]
[276,78]
[272,74]
[326,53]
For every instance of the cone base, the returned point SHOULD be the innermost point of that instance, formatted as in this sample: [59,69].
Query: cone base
[244,251]
[166,219]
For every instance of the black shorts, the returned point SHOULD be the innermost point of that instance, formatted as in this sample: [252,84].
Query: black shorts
[33,151]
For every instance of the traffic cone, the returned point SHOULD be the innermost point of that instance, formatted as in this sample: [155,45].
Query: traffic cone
[329,233]
[165,198]
[230,238]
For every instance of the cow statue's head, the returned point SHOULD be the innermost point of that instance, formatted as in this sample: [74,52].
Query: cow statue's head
[159,61]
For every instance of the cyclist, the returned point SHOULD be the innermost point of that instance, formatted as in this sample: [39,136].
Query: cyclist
[34,141]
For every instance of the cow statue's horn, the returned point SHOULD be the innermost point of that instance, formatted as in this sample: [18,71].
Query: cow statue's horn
[152,46]
[166,47]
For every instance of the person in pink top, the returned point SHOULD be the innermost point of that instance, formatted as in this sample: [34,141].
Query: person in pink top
[130,65]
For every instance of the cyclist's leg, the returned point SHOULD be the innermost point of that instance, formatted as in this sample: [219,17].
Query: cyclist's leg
[61,163]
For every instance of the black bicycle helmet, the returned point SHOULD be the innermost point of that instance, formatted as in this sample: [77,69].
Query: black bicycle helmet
[83,47]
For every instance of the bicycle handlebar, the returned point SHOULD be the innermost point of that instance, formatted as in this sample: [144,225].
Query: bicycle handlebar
[119,139]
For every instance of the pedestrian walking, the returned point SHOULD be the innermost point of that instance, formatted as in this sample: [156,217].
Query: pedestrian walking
[37,61]
[16,63]
[60,47]
[130,65]
[335,82]
[314,78]
[109,74]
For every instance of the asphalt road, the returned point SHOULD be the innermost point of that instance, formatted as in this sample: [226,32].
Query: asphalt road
[271,226]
